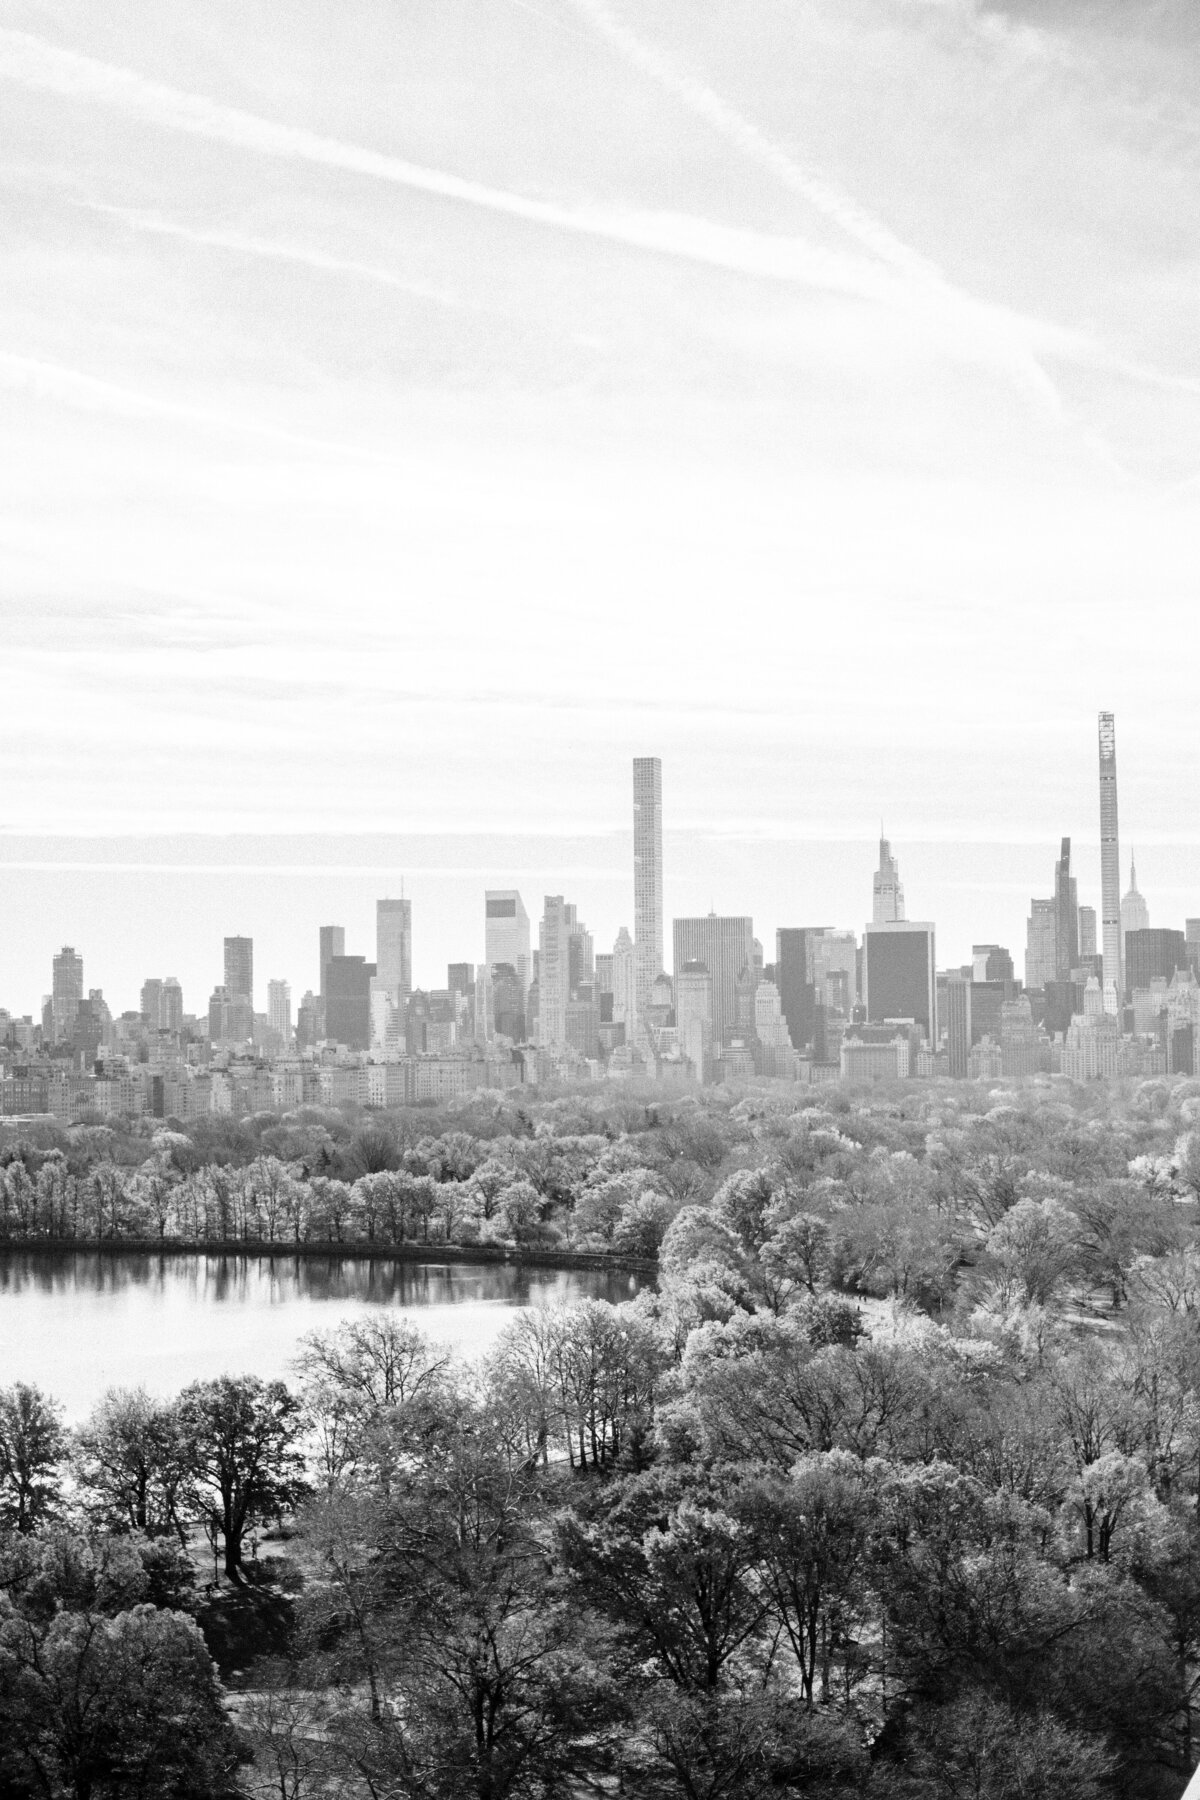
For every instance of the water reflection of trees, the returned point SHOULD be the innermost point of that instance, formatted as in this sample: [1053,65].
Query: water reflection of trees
[62,1273]
[281,1280]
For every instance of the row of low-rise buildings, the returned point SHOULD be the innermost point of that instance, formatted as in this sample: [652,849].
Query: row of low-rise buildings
[242,1085]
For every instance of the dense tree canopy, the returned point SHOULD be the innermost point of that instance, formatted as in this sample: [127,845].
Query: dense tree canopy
[889,1486]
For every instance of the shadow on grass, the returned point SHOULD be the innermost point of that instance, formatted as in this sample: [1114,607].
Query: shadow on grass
[242,1625]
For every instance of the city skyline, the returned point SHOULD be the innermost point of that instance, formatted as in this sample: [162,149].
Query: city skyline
[575,577]
[1064,917]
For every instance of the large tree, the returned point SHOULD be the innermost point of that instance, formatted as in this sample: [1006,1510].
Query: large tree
[243,1454]
[125,1707]
[466,1670]
[131,1463]
[33,1445]
[375,1391]
[811,1531]
[666,1556]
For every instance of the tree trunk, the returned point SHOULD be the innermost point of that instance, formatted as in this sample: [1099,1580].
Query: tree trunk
[233,1557]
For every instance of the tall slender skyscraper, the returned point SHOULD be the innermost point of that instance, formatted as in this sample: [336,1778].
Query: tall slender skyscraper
[1110,866]
[958,1025]
[554,971]
[887,899]
[647,876]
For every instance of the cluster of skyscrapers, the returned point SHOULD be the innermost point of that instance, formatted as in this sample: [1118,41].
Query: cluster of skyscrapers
[1098,998]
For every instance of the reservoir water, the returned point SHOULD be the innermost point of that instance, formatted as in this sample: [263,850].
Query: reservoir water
[76,1324]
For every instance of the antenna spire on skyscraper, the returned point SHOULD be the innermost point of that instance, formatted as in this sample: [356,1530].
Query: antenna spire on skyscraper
[887,901]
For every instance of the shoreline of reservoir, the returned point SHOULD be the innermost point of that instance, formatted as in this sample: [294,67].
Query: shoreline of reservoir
[76,1322]
[410,1250]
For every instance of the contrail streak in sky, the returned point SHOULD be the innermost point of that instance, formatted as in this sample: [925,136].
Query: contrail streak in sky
[1000,336]
[890,275]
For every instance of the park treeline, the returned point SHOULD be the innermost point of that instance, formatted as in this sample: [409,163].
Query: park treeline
[745,1535]
[638,1549]
[910,1188]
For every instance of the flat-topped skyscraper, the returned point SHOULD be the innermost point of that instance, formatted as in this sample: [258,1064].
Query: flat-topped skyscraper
[506,934]
[1066,915]
[1087,932]
[1110,866]
[393,948]
[348,1001]
[647,876]
[279,1009]
[554,971]
[239,968]
[333,943]
[900,973]
[726,948]
[67,992]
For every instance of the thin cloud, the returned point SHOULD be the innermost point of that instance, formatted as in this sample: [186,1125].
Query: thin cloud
[1029,338]
[868,232]
[321,870]
[43,380]
[44,67]
[546,18]
[995,333]
[1031,42]
[240,245]
[888,273]
[34,64]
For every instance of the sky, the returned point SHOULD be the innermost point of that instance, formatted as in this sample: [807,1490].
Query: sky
[410,412]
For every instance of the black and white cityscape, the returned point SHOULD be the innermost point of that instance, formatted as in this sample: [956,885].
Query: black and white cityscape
[599,900]
[1096,992]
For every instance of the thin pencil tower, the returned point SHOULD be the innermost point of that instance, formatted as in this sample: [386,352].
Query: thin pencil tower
[1110,867]
[647,878]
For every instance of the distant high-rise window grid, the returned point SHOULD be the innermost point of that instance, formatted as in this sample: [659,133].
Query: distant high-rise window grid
[726,948]
[239,968]
[506,947]
[279,1008]
[393,948]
